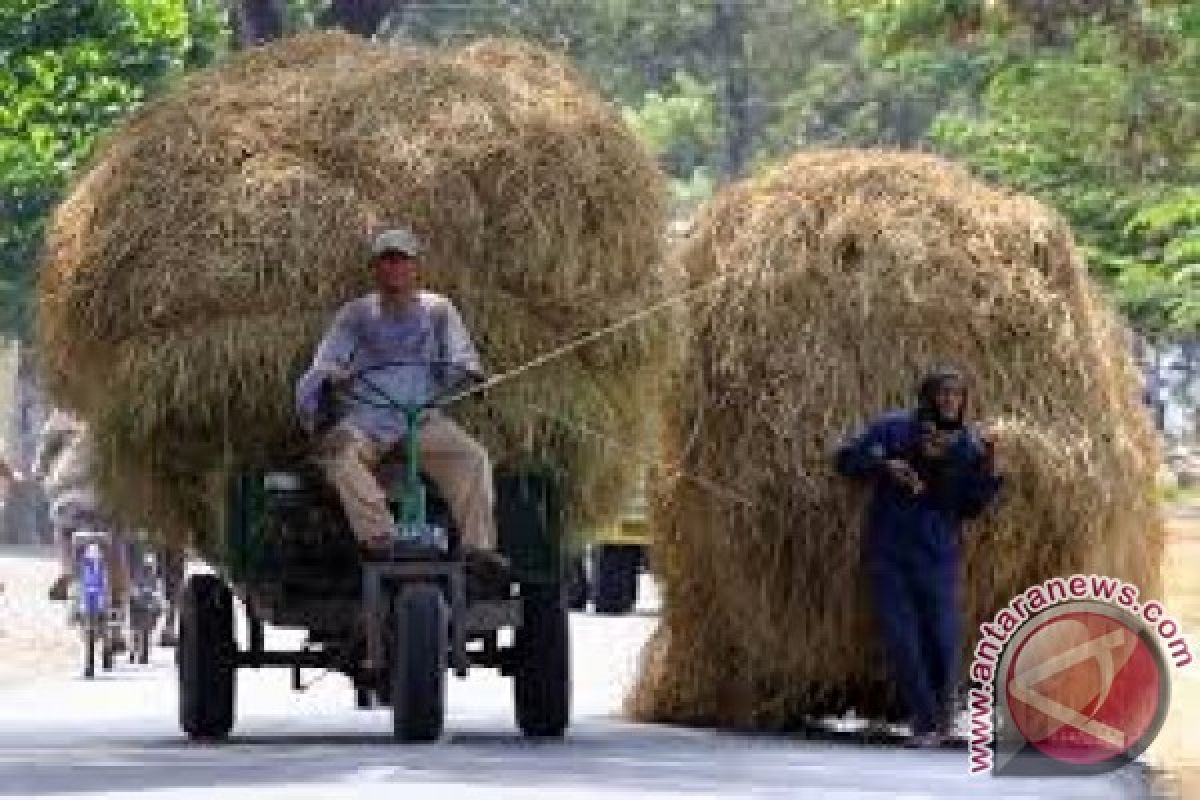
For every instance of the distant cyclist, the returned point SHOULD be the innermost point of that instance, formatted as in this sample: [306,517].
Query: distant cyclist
[64,465]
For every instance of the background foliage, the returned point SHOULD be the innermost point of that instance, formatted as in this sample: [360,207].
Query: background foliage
[1093,105]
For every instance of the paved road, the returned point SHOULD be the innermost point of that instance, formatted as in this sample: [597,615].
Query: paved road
[116,737]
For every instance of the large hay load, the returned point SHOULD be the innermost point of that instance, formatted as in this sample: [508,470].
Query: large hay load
[192,268]
[846,275]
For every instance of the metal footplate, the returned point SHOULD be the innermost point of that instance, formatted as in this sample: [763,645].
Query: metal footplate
[492,615]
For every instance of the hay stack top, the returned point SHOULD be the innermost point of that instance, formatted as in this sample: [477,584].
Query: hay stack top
[910,244]
[882,213]
[250,188]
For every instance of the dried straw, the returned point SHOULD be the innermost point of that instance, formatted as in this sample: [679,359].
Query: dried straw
[191,269]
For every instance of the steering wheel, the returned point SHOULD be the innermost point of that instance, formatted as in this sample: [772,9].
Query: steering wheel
[376,396]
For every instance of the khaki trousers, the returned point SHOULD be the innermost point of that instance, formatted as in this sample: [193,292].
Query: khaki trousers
[456,463]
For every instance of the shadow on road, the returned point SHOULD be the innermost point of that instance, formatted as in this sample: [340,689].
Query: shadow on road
[613,756]
[628,757]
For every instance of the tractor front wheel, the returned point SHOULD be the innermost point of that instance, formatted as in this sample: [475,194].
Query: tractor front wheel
[420,649]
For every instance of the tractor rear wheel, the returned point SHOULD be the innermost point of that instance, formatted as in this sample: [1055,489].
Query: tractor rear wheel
[206,659]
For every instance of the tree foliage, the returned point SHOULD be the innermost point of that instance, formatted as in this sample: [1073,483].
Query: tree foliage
[1093,105]
[68,70]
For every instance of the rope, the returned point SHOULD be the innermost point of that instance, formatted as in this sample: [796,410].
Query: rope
[588,338]
[705,483]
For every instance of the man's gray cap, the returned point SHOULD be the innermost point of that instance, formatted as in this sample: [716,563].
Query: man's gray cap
[396,240]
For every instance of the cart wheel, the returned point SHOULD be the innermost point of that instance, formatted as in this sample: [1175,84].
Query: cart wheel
[419,654]
[107,653]
[89,651]
[542,678]
[206,659]
[614,578]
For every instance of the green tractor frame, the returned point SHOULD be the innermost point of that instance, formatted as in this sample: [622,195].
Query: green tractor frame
[394,625]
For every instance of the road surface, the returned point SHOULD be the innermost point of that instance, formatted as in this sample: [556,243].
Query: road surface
[117,737]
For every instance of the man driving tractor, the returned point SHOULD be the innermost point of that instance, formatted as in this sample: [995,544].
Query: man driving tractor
[385,333]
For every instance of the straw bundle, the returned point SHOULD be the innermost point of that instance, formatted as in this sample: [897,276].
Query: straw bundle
[192,268]
[847,275]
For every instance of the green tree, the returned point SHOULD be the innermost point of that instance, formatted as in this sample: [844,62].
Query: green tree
[711,90]
[680,126]
[1095,107]
[1107,133]
[68,70]
[1092,105]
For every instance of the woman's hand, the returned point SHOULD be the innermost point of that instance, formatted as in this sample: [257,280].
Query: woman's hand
[903,473]
[936,443]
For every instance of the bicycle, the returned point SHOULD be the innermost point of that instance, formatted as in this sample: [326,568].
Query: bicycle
[92,609]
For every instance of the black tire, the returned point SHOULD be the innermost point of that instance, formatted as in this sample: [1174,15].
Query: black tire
[576,584]
[542,677]
[89,652]
[206,659]
[418,670]
[614,578]
[143,646]
[106,654]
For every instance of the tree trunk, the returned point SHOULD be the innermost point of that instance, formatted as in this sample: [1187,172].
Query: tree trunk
[256,22]
[23,511]
[729,30]
[362,17]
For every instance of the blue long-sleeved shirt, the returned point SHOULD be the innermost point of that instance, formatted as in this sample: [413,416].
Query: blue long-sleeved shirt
[897,519]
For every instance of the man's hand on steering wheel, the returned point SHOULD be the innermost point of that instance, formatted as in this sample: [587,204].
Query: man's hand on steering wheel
[338,375]
[344,380]
[459,379]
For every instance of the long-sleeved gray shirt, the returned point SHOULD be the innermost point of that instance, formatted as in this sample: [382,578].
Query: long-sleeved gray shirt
[367,339]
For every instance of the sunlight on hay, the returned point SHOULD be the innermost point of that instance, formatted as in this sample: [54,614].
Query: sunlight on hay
[851,273]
